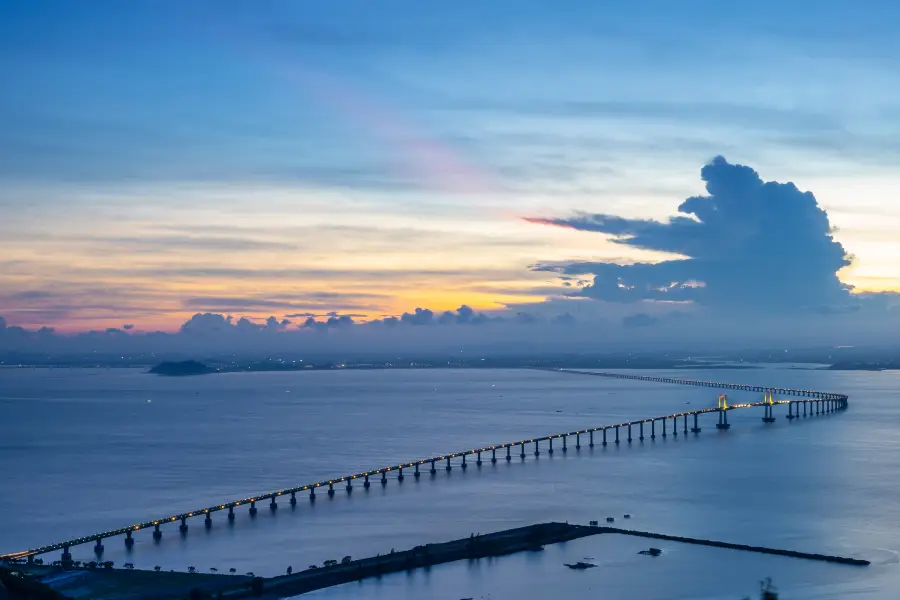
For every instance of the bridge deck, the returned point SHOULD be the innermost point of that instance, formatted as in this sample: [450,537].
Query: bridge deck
[811,395]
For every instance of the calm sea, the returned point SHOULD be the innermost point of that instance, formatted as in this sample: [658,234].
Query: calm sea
[85,450]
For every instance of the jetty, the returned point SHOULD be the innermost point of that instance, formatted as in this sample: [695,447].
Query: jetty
[119,584]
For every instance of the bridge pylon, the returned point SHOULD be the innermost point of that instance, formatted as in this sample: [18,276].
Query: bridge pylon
[768,403]
[723,413]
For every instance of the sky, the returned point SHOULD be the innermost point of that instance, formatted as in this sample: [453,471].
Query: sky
[629,166]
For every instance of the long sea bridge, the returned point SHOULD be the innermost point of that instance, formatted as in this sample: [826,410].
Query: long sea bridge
[811,402]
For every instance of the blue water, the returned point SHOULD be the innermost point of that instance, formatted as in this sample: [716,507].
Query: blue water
[94,449]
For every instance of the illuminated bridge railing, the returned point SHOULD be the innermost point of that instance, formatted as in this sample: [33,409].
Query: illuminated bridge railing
[712,384]
[823,402]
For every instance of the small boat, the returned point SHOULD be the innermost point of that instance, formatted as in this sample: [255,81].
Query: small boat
[651,552]
[580,566]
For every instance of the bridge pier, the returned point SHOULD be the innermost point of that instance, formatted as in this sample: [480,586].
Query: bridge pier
[805,402]
[768,418]
[629,433]
[664,434]
[790,415]
[565,447]
[252,508]
[129,541]
[641,431]
[312,494]
[617,435]
[293,498]
[400,474]
[416,473]
[537,449]
[98,547]
[433,469]
[684,418]
[331,489]
[696,428]
[183,528]
[384,477]
[550,451]
[448,467]
[66,556]
[366,483]
[591,442]
[508,453]
[207,522]
[157,534]
[604,436]
[578,441]
[273,506]
[231,513]
[723,420]
[523,451]
[349,486]
[464,462]
[652,429]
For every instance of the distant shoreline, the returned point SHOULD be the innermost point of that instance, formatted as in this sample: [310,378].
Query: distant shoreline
[193,368]
[262,368]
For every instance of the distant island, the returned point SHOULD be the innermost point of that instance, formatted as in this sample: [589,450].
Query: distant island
[181,369]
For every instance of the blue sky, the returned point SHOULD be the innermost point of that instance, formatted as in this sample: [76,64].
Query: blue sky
[163,158]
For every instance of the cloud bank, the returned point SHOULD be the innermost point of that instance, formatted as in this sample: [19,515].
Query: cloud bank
[750,262]
[749,245]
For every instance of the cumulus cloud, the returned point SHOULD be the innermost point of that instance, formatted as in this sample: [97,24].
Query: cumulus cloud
[464,315]
[206,323]
[748,243]
[421,316]
[333,321]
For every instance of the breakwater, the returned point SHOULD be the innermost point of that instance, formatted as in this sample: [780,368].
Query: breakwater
[147,584]
[532,537]
[759,549]
[521,539]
